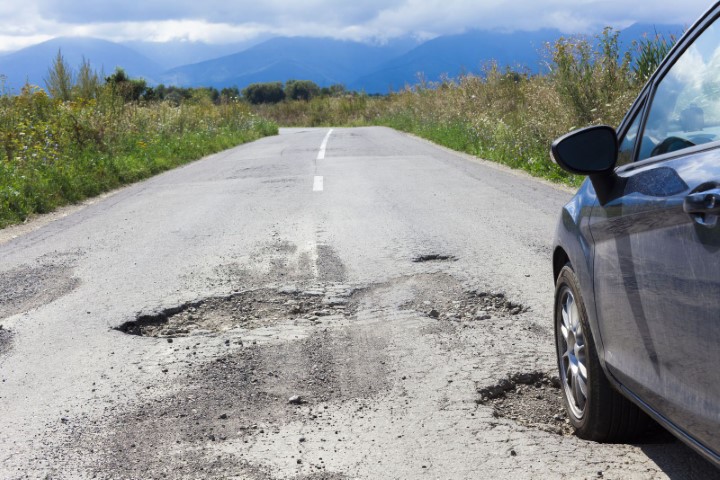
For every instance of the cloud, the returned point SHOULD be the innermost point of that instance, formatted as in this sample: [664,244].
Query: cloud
[222,21]
[11,43]
[213,11]
[569,16]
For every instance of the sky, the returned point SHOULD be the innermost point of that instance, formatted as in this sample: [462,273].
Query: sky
[27,22]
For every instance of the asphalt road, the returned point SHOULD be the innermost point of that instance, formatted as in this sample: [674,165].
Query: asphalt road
[376,279]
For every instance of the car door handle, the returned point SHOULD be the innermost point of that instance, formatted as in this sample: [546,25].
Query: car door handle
[707,202]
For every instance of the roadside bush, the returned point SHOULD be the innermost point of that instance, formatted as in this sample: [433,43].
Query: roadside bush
[592,80]
[649,53]
[301,90]
[258,93]
[130,89]
[53,152]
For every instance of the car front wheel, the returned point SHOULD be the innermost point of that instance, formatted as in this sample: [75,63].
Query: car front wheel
[596,410]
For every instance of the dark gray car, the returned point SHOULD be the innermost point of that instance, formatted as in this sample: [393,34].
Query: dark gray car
[637,258]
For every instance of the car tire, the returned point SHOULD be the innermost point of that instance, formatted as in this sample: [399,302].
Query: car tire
[595,409]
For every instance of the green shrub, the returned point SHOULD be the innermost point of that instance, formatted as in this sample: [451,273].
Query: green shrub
[258,93]
[649,53]
[301,90]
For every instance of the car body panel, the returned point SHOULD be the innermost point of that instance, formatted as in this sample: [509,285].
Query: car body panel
[650,273]
[574,240]
[657,287]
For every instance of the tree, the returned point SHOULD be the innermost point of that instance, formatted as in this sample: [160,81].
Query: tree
[212,93]
[301,89]
[160,91]
[131,89]
[88,83]
[150,95]
[334,90]
[229,94]
[59,81]
[271,92]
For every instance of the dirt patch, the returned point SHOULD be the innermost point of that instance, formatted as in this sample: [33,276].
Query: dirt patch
[441,296]
[5,340]
[236,399]
[473,305]
[277,262]
[532,399]
[329,265]
[244,310]
[28,287]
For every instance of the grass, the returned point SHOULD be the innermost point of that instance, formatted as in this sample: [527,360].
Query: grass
[56,152]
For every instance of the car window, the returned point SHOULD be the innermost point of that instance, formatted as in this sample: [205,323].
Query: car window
[627,143]
[686,108]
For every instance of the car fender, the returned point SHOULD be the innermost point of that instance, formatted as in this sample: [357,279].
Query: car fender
[573,243]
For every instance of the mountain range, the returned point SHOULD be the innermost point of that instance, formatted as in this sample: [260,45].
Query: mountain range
[359,66]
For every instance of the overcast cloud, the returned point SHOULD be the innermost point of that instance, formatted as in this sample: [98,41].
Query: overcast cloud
[222,21]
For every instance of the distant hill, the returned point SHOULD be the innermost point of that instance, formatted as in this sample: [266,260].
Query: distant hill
[177,53]
[322,60]
[455,54]
[32,63]
[470,52]
[359,66]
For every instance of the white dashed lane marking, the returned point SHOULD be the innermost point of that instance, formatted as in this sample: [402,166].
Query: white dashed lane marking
[318,184]
[323,145]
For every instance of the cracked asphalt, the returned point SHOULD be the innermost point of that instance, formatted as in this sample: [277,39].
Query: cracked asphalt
[237,318]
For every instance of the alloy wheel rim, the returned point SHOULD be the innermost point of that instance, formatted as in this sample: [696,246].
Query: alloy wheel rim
[572,353]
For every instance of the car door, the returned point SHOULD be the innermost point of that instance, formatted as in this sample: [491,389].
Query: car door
[657,245]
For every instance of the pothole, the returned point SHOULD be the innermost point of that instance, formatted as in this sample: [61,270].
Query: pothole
[434,257]
[471,306]
[28,287]
[532,399]
[244,310]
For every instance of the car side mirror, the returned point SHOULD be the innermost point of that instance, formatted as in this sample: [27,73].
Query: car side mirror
[591,151]
[588,151]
